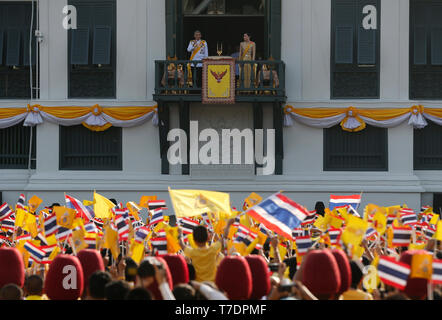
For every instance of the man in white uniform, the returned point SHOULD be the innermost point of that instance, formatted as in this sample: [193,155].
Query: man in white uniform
[199,50]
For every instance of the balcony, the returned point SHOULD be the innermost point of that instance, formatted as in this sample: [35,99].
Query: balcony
[175,82]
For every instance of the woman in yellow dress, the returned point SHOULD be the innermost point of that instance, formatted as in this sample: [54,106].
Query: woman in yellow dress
[247,53]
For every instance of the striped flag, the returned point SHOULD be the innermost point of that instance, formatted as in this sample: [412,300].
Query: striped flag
[42,238]
[35,252]
[141,234]
[335,235]
[91,228]
[99,223]
[63,234]
[122,226]
[207,221]
[86,212]
[339,201]
[393,273]
[91,242]
[264,230]
[159,246]
[429,232]
[370,233]
[157,204]
[303,244]
[309,220]
[188,225]
[8,224]
[24,237]
[50,225]
[408,217]
[437,272]
[401,236]
[297,232]
[157,217]
[5,212]
[279,214]
[21,202]
[137,224]
[390,219]
[48,251]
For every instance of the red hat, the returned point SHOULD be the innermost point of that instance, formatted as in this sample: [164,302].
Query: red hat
[12,268]
[91,261]
[260,276]
[320,274]
[64,280]
[178,268]
[416,288]
[344,270]
[153,288]
[234,277]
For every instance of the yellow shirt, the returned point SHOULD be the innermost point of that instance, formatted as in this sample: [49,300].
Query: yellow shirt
[204,261]
[35,298]
[355,295]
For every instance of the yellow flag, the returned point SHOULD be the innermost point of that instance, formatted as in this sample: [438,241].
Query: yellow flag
[438,234]
[336,222]
[321,223]
[54,253]
[34,203]
[191,203]
[144,201]
[134,209]
[434,219]
[358,251]
[421,266]
[20,217]
[102,206]
[137,250]
[379,222]
[88,203]
[220,226]
[355,231]
[111,241]
[252,200]
[65,216]
[51,240]
[77,240]
[31,225]
[251,246]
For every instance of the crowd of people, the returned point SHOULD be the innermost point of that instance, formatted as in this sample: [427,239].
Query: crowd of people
[211,267]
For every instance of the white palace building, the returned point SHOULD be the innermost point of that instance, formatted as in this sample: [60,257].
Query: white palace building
[89,108]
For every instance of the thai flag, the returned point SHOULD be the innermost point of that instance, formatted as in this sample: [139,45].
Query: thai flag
[335,235]
[50,225]
[188,225]
[207,221]
[244,235]
[157,204]
[339,201]
[48,251]
[437,272]
[24,237]
[303,244]
[237,221]
[91,228]
[279,214]
[8,224]
[310,219]
[390,219]
[159,246]
[5,212]
[36,253]
[63,233]
[141,234]
[86,212]
[370,233]
[91,242]
[408,217]
[429,232]
[393,273]
[264,230]
[157,217]
[21,202]
[42,238]
[137,224]
[401,236]
[99,223]
[298,232]
[122,226]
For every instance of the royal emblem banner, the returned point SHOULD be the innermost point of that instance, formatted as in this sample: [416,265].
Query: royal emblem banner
[218,80]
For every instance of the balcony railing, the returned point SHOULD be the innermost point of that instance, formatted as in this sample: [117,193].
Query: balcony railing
[255,81]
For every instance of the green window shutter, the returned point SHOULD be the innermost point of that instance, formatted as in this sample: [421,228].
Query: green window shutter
[13,47]
[420,45]
[275,28]
[436,46]
[344,45]
[102,45]
[1,46]
[170,28]
[366,46]
[80,46]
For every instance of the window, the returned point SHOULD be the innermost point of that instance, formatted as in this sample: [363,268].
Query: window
[243,7]
[92,50]
[355,55]
[365,150]
[14,147]
[15,24]
[426,49]
[83,149]
[428,147]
